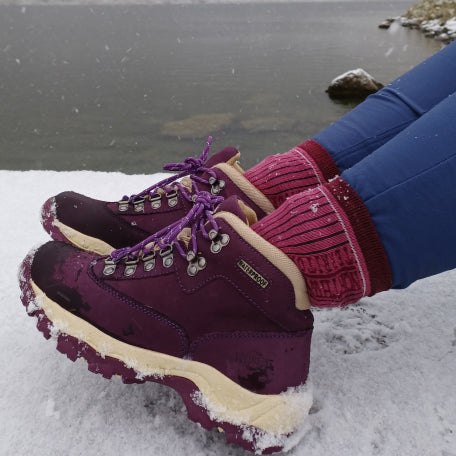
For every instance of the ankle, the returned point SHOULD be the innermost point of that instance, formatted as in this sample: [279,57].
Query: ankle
[303,167]
[329,234]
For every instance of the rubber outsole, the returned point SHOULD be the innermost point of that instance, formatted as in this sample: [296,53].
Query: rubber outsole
[259,438]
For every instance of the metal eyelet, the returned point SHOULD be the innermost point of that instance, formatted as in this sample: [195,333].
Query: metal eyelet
[138,205]
[218,241]
[216,247]
[110,267]
[172,198]
[167,256]
[149,262]
[216,185]
[192,269]
[123,205]
[224,239]
[155,201]
[195,263]
[201,263]
[130,267]
[213,234]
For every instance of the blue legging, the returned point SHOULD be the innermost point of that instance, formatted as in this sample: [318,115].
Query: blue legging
[398,151]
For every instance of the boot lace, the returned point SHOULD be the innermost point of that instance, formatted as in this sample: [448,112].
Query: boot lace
[191,166]
[168,240]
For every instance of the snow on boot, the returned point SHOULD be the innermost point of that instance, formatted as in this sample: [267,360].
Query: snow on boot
[205,306]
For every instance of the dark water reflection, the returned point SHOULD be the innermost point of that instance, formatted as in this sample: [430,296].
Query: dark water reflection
[91,87]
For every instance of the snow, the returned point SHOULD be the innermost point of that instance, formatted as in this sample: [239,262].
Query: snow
[450,25]
[358,73]
[382,372]
[438,28]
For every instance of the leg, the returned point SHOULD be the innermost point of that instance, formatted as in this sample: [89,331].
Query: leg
[412,202]
[386,222]
[384,114]
[366,128]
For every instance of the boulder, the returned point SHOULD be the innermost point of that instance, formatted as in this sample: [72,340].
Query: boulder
[353,84]
[197,126]
[384,25]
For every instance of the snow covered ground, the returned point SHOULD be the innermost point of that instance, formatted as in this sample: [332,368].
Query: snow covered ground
[383,371]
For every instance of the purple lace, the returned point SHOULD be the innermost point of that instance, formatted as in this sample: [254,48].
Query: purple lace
[189,167]
[200,213]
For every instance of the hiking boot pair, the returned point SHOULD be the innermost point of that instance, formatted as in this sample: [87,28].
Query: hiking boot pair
[101,226]
[199,302]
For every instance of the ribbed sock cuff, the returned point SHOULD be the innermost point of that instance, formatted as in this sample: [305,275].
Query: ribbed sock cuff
[303,167]
[329,234]
[366,234]
[323,161]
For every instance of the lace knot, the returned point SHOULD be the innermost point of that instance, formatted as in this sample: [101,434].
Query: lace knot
[190,166]
[207,201]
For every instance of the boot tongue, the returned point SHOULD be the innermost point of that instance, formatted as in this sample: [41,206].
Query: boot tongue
[236,206]
[228,155]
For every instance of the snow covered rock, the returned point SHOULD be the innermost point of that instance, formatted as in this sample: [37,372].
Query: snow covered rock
[435,18]
[354,83]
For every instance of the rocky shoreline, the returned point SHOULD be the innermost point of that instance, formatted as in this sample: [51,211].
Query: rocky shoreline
[435,18]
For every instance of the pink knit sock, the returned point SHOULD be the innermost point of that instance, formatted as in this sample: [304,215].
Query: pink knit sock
[280,176]
[329,234]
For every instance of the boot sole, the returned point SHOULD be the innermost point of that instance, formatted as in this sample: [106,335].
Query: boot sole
[61,232]
[260,423]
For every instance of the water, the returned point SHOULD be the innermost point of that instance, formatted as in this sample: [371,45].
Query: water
[93,87]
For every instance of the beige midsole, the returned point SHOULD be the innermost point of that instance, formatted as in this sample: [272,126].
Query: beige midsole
[83,241]
[224,399]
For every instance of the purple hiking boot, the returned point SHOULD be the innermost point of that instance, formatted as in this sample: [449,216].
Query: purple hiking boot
[205,306]
[101,226]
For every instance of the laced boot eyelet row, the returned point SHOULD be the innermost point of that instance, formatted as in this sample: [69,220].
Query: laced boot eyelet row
[218,241]
[138,205]
[130,265]
[169,239]
[216,185]
[155,202]
[191,166]
[196,263]
[167,256]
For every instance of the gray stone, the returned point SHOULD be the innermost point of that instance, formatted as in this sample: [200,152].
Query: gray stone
[353,84]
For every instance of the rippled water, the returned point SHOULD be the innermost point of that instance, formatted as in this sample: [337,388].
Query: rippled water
[95,87]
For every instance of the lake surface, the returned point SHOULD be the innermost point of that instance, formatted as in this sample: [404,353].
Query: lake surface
[96,87]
